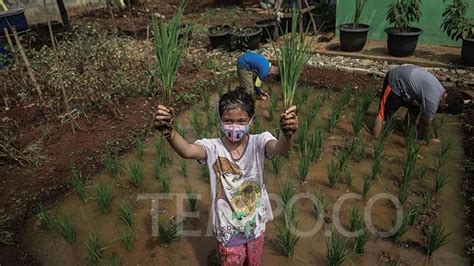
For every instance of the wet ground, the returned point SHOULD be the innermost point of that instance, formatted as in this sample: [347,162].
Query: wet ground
[447,206]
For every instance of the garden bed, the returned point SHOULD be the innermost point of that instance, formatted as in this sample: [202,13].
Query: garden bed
[410,249]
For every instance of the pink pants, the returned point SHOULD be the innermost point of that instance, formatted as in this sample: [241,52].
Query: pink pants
[246,254]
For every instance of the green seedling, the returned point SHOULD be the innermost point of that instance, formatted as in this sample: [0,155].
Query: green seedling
[316,143]
[277,164]
[196,122]
[349,177]
[413,213]
[183,168]
[157,170]
[358,227]
[127,236]
[66,229]
[125,213]
[46,219]
[333,173]
[437,237]
[207,100]
[160,151]
[441,179]
[403,192]
[360,151]
[334,116]
[320,206]
[287,192]
[112,165]
[205,172]
[140,148]
[286,240]
[103,196]
[168,232]
[79,185]
[376,167]
[315,105]
[357,119]
[303,166]
[437,125]
[366,97]
[368,181]
[95,248]
[346,95]
[136,175]
[302,134]
[273,109]
[336,250]
[191,197]
[404,226]
[165,183]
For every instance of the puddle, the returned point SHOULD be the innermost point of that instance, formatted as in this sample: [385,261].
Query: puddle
[51,249]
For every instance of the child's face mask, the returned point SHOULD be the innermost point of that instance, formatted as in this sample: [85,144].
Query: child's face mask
[235,132]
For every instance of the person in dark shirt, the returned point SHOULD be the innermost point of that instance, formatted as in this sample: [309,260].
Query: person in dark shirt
[418,90]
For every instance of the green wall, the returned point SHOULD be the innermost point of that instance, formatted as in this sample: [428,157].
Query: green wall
[375,12]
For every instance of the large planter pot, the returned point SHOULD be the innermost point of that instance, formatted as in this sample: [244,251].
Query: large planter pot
[401,43]
[13,18]
[268,29]
[219,36]
[467,51]
[248,37]
[353,39]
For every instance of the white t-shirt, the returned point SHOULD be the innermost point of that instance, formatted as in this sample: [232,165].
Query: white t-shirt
[240,203]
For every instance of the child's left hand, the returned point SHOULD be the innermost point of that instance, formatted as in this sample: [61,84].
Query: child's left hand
[289,122]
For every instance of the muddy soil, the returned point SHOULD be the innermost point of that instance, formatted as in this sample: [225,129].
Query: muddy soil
[447,206]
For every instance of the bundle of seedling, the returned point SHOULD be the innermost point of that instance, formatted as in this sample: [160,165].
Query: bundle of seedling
[292,56]
[169,49]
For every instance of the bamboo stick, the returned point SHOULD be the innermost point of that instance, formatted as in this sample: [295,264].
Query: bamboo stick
[10,44]
[27,63]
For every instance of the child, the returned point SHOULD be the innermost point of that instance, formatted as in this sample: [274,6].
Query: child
[253,69]
[240,205]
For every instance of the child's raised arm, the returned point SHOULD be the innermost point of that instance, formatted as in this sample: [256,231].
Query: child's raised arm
[163,118]
[288,125]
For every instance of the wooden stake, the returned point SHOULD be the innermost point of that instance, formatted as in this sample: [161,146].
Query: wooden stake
[10,44]
[27,63]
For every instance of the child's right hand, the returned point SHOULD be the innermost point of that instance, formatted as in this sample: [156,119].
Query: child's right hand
[163,118]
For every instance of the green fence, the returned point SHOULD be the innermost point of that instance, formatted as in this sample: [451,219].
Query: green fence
[375,12]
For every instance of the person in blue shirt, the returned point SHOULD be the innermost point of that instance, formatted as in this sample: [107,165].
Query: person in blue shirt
[252,69]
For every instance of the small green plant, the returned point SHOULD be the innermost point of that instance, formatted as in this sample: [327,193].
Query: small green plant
[66,229]
[289,213]
[437,124]
[125,213]
[426,200]
[287,192]
[196,121]
[368,181]
[315,105]
[286,240]
[443,155]
[211,120]
[336,250]
[316,143]
[184,168]
[272,110]
[220,89]
[403,192]
[303,166]
[357,226]
[157,169]
[334,116]
[160,151]
[441,179]
[168,231]
[411,153]
[403,13]
[95,248]
[191,197]
[413,213]
[127,236]
[277,164]
[357,118]
[79,185]
[204,172]
[165,183]
[320,206]
[302,133]
[436,238]
[207,100]
[349,177]
[136,175]
[366,97]
[140,148]
[343,158]
[360,152]
[46,219]
[103,196]
[346,95]
[112,165]
[386,131]
[376,167]
[333,173]
[404,226]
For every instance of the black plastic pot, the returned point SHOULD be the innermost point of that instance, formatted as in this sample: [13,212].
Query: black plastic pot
[42,30]
[467,51]
[249,41]
[353,40]
[401,43]
[219,35]
[268,29]
[13,18]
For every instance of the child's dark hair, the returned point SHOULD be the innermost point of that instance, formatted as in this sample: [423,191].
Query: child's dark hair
[455,103]
[237,98]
